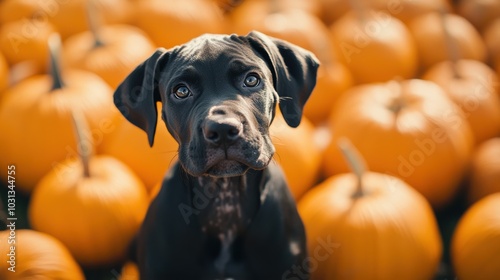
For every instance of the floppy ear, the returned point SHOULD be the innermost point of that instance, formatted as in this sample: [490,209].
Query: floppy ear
[137,95]
[294,73]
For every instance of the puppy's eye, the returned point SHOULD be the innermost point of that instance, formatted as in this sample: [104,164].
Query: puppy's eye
[181,91]
[252,80]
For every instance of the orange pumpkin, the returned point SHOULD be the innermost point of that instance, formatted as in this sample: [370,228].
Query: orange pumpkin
[479,12]
[292,25]
[297,154]
[485,170]
[261,8]
[475,244]
[333,79]
[4,73]
[410,130]
[35,115]
[36,255]
[369,225]
[26,40]
[12,10]
[406,11]
[120,49]
[130,271]
[171,23]
[70,17]
[492,41]
[374,46]
[129,144]
[104,204]
[402,10]
[474,87]
[433,32]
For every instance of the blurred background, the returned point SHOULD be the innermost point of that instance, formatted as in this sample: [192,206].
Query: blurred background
[413,86]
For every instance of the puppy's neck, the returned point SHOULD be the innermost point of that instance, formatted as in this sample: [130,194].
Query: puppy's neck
[230,204]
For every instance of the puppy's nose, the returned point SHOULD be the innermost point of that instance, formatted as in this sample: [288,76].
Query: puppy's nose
[221,130]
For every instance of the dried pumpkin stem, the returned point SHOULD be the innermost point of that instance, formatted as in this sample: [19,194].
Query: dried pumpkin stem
[398,103]
[84,145]
[360,10]
[54,43]
[356,164]
[94,24]
[451,45]
[274,6]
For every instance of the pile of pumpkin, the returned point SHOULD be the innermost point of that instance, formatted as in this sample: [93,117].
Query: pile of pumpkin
[403,123]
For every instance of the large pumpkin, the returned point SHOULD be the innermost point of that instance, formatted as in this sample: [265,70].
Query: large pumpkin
[485,170]
[36,255]
[410,130]
[376,47]
[26,40]
[297,153]
[474,87]
[479,12]
[292,25]
[129,144]
[434,32]
[475,247]
[4,74]
[333,79]
[119,50]
[93,204]
[174,22]
[369,226]
[35,121]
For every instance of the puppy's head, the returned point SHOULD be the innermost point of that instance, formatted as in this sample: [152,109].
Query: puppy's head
[219,96]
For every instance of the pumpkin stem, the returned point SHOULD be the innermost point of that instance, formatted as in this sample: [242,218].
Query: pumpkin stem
[398,103]
[94,24]
[274,6]
[85,148]
[451,45]
[356,163]
[54,43]
[360,9]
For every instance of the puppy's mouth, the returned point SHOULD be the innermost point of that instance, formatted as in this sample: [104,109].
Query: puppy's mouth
[216,163]
[227,168]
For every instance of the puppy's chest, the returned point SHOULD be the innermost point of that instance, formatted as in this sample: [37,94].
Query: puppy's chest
[225,214]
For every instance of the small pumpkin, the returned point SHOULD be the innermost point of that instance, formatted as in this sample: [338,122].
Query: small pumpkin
[4,74]
[475,245]
[492,40]
[409,129]
[292,25]
[35,115]
[173,22]
[474,87]
[479,12]
[103,204]
[297,153]
[376,47]
[333,79]
[36,255]
[113,55]
[130,271]
[433,31]
[26,40]
[406,11]
[129,144]
[71,16]
[368,225]
[485,170]
[13,10]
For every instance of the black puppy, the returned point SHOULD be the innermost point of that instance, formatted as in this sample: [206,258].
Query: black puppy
[224,211]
